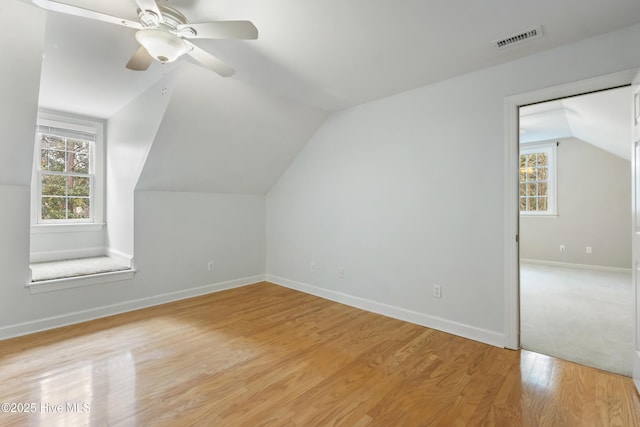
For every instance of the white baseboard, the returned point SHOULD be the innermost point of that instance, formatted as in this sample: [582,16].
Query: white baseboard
[33,326]
[69,254]
[455,328]
[579,266]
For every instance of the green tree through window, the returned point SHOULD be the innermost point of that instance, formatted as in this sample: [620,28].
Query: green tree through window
[65,177]
[537,180]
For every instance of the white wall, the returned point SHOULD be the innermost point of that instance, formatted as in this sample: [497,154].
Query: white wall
[407,192]
[176,234]
[594,209]
[51,246]
[19,83]
[130,135]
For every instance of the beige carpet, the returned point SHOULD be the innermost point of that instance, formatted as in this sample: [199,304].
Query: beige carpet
[74,267]
[584,316]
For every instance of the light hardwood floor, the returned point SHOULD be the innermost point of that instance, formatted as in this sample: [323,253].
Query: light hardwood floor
[267,355]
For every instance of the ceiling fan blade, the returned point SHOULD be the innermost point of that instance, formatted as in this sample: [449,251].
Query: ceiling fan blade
[85,13]
[150,5]
[140,61]
[220,30]
[209,61]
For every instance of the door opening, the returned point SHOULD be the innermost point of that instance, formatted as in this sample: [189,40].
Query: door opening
[511,184]
[574,198]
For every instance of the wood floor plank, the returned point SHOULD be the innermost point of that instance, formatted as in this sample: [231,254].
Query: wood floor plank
[263,355]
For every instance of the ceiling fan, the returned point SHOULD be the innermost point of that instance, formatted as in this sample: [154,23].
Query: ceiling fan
[164,33]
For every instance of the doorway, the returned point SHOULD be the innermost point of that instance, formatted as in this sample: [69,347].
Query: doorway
[511,183]
[575,213]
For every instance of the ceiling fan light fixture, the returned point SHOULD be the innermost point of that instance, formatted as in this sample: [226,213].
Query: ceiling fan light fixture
[162,45]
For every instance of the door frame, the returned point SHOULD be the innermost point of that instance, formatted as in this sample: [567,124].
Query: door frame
[511,181]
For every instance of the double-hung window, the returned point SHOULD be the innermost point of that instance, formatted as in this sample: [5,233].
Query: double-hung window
[538,188]
[68,173]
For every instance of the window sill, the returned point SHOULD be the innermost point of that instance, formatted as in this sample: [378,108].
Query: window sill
[533,215]
[66,228]
[79,281]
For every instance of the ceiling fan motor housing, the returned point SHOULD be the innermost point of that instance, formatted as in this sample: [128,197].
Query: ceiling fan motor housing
[170,20]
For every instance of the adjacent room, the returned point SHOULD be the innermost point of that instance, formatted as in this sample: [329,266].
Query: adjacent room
[575,216]
[241,213]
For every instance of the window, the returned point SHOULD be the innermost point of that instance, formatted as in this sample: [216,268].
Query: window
[538,180]
[66,175]
[67,172]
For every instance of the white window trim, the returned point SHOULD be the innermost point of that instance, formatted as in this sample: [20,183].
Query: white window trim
[80,281]
[77,123]
[552,189]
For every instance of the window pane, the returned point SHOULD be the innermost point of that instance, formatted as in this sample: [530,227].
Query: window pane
[523,161]
[531,160]
[523,204]
[542,159]
[78,146]
[52,160]
[531,204]
[78,208]
[53,185]
[523,175]
[542,203]
[522,189]
[77,162]
[543,174]
[532,190]
[542,189]
[531,174]
[53,208]
[79,156]
[49,142]
[79,186]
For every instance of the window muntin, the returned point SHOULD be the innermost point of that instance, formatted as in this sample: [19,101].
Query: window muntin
[65,178]
[67,173]
[538,180]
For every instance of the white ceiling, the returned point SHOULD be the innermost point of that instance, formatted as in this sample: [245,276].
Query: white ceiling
[602,119]
[327,54]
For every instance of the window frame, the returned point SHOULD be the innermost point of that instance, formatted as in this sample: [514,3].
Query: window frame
[78,124]
[551,149]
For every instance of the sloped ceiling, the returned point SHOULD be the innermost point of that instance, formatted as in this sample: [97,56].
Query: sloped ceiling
[327,54]
[224,136]
[312,57]
[19,90]
[602,119]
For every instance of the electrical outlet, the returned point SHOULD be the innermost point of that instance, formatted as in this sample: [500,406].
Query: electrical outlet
[562,248]
[313,267]
[589,249]
[211,266]
[341,273]
[437,291]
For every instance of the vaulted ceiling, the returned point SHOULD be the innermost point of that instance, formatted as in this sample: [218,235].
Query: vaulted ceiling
[238,134]
[602,119]
[327,54]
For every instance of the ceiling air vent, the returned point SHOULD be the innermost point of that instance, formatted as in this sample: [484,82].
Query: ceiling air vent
[519,37]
